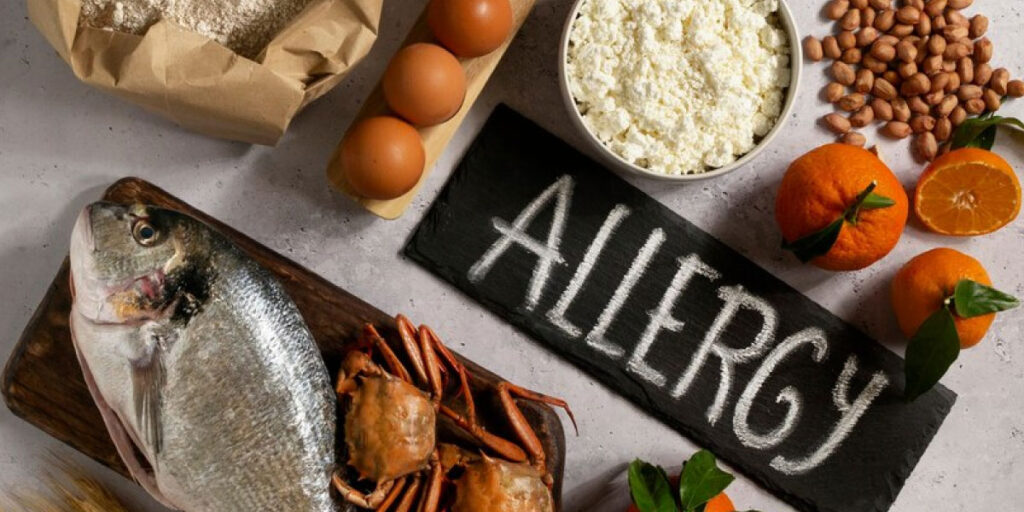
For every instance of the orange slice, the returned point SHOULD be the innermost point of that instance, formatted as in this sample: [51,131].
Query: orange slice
[967,192]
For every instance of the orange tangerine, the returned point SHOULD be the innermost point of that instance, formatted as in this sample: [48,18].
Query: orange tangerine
[925,282]
[967,192]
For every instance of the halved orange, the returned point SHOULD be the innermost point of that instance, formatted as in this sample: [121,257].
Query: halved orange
[967,192]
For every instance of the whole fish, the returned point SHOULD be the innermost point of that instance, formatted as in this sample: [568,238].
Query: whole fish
[197,359]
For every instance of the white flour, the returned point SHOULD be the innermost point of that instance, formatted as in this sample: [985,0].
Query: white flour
[245,26]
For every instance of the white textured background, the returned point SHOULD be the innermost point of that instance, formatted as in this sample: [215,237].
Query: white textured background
[61,143]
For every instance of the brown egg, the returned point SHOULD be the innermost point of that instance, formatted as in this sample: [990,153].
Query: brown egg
[470,28]
[425,84]
[382,157]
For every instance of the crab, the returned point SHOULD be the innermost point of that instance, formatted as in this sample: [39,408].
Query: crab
[390,421]
[493,484]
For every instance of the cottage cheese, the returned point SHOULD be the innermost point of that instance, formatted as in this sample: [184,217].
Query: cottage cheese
[678,86]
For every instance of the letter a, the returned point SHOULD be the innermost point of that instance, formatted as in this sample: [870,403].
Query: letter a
[547,252]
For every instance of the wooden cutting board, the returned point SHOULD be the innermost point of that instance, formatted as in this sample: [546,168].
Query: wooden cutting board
[435,138]
[42,382]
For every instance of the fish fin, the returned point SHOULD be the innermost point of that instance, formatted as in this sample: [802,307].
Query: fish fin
[127,449]
[147,382]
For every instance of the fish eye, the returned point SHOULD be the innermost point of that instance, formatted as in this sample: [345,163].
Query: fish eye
[144,232]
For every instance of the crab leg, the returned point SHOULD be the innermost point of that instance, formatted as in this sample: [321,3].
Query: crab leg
[522,428]
[405,505]
[407,332]
[354,496]
[449,358]
[396,491]
[394,364]
[432,493]
[507,449]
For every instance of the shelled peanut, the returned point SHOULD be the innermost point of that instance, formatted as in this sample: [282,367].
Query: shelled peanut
[920,68]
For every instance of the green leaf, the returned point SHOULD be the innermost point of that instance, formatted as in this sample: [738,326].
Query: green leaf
[874,201]
[815,244]
[930,353]
[701,480]
[980,132]
[649,487]
[975,299]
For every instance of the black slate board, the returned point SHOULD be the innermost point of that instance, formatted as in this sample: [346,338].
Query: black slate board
[515,163]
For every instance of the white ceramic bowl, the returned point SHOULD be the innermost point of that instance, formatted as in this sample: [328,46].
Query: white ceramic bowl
[796,66]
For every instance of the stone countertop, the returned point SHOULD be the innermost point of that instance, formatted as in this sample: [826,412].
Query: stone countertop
[62,143]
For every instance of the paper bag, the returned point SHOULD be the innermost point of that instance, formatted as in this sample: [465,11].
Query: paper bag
[204,86]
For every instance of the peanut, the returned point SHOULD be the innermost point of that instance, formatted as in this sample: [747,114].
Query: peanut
[906,51]
[916,84]
[918,105]
[932,64]
[992,100]
[922,123]
[865,81]
[917,4]
[889,39]
[983,50]
[867,17]
[1015,88]
[896,130]
[935,7]
[938,23]
[837,123]
[924,26]
[943,129]
[850,20]
[906,70]
[900,110]
[876,66]
[975,106]
[908,14]
[883,52]
[830,46]
[834,91]
[885,20]
[880,5]
[836,9]
[954,82]
[946,106]
[955,17]
[882,109]
[1000,81]
[854,139]
[982,74]
[960,4]
[925,146]
[852,56]
[859,4]
[866,36]
[956,51]
[969,92]
[936,45]
[893,77]
[934,98]
[813,49]
[851,102]
[843,73]
[965,68]
[846,40]
[939,82]
[979,25]
[884,90]
[862,117]
[958,116]
[901,30]
[954,33]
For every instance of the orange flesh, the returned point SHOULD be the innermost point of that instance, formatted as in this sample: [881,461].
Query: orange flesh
[968,198]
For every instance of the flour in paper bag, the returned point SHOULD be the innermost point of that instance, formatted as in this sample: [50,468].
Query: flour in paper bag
[244,26]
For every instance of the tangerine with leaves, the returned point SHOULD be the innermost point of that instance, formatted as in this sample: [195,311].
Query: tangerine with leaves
[924,284]
[840,207]
[967,192]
